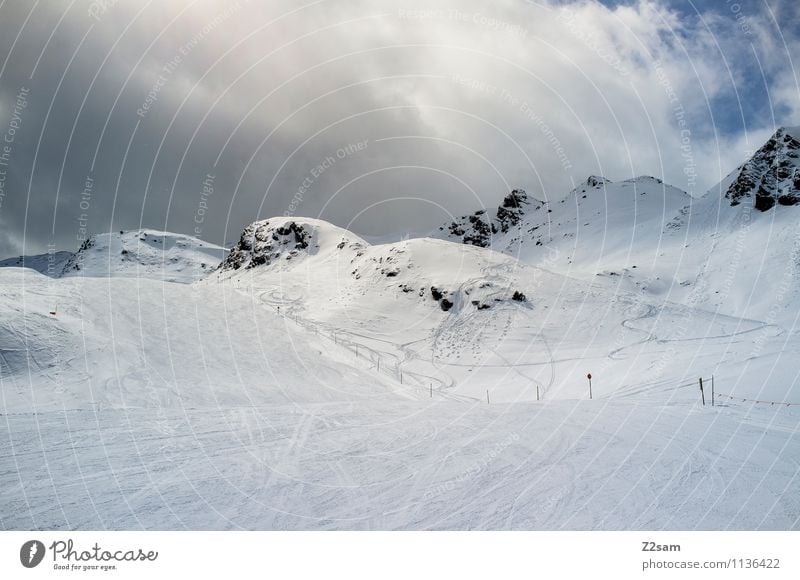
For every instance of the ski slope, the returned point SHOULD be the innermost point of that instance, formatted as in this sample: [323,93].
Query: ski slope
[602,464]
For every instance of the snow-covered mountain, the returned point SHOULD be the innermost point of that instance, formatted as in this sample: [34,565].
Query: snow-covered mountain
[328,260]
[599,221]
[465,319]
[50,264]
[145,254]
[133,254]
[731,251]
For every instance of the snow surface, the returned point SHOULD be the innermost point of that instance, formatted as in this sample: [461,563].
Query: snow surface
[602,464]
[312,380]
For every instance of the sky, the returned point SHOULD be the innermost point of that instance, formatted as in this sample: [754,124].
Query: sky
[384,117]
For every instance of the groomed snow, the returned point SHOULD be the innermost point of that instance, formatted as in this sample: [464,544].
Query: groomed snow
[602,464]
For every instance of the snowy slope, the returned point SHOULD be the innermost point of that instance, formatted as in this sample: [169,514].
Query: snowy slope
[734,260]
[144,254]
[736,248]
[120,343]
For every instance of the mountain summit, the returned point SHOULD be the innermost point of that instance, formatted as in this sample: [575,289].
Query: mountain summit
[264,242]
[771,175]
[478,228]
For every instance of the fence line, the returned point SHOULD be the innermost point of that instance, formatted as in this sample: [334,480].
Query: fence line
[745,400]
[348,343]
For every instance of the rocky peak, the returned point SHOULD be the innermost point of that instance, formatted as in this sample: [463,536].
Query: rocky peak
[592,182]
[771,175]
[510,213]
[265,241]
[596,181]
[477,229]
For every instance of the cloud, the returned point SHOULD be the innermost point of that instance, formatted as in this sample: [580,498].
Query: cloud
[453,106]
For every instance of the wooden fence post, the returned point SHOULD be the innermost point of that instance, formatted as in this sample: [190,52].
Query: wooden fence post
[702,394]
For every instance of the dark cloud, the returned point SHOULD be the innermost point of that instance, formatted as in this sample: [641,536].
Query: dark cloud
[374,115]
